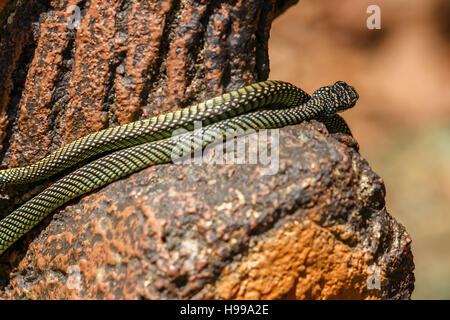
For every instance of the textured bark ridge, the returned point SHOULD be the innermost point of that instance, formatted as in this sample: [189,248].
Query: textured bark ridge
[316,229]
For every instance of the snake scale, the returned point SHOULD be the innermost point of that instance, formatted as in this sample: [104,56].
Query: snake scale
[137,145]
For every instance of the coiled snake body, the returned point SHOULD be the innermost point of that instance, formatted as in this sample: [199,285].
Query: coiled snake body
[263,105]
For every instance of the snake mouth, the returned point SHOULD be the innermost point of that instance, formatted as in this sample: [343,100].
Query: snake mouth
[353,95]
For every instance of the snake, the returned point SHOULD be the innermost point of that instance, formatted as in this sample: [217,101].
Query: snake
[120,151]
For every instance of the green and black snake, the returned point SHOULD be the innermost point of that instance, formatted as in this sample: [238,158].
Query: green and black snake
[137,145]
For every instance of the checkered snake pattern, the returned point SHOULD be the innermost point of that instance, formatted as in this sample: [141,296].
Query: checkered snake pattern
[137,145]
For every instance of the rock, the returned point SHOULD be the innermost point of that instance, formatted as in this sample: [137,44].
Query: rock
[315,229]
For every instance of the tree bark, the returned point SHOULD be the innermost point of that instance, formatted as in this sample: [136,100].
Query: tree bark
[318,228]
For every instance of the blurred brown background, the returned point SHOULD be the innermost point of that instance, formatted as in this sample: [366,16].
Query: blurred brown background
[402,119]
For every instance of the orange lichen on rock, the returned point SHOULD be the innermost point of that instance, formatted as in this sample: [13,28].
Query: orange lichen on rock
[301,260]
[177,60]
[91,73]
[142,47]
[33,123]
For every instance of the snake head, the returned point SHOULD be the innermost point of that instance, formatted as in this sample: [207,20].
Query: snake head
[336,98]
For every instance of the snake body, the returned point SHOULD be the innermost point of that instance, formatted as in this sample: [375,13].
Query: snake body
[219,108]
[134,146]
